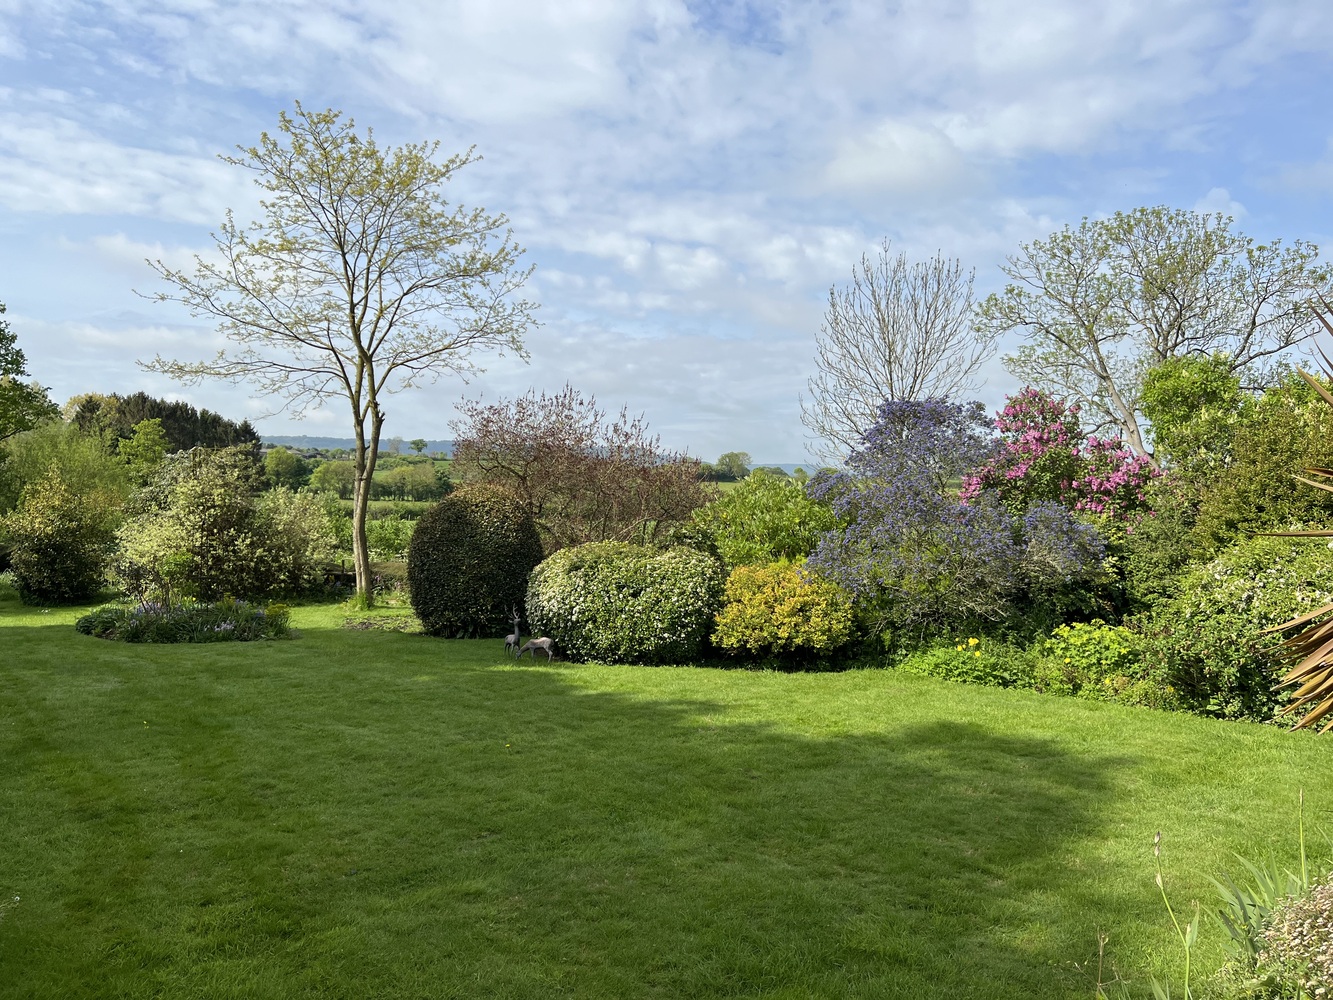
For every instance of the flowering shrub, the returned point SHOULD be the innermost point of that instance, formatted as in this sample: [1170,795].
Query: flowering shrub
[1297,944]
[624,603]
[918,560]
[782,608]
[1045,458]
[225,621]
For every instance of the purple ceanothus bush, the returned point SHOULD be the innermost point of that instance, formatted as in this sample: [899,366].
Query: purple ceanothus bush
[916,557]
[1045,458]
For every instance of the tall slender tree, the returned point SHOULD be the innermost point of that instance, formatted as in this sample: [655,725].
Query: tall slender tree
[359,280]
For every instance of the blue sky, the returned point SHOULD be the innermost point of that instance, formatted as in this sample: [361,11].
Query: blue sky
[688,178]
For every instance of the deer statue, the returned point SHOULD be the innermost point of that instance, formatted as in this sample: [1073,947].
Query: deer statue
[532,645]
[511,640]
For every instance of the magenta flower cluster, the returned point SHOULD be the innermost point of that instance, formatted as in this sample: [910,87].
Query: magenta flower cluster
[1045,458]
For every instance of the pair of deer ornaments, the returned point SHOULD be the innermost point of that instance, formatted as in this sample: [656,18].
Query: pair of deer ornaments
[546,645]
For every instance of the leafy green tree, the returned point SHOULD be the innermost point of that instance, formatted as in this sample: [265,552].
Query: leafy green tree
[23,405]
[360,280]
[418,445]
[204,527]
[145,450]
[113,418]
[1194,405]
[1107,301]
[335,477]
[286,468]
[733,465]
[84,464]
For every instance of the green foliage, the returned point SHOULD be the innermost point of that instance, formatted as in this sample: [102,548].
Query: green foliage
[1205,642]
[1101,662]
[1159,546]
[1286,431]
[1194,405]
[144,450]
[971,660]
[1105,302]
[227,620]
[284,467]
[623,603]
[113,418]
[764,519]
[84,464]
[782,608]
[335,477]
[389,537]
[468,562]
[60,540]
[201,528]
[23,405]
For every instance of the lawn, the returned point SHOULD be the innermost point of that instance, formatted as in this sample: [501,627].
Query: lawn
[377,814]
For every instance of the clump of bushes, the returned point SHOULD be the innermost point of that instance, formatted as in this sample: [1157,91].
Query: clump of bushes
[624,603]
[200,528]
[227,620]
[764,519]
[468,562]
[1206,643]
[61,539]
[1297,944]
[782,608]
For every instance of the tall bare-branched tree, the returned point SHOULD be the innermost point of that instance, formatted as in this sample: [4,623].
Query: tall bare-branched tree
[1104,303]
[583,477]
[359,280]
[900,330]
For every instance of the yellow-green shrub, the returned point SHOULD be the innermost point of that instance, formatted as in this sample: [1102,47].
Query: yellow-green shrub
[782,608]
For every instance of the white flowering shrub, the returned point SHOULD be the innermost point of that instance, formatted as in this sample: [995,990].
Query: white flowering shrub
[623,603]
[1298,941]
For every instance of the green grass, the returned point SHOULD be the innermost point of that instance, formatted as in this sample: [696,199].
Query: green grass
[375,814]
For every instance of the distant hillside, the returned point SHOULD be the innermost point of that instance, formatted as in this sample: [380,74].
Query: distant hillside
[302,442]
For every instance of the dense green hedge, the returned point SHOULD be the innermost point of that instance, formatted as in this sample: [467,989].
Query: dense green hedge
[60,538]
[468,562]
[624,603]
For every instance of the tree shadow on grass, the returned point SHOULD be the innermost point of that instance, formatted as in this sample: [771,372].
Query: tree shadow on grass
[412,830]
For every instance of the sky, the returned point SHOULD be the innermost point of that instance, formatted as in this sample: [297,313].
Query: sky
[689,180]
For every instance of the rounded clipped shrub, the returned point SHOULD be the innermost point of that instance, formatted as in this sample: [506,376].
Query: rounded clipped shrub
[782,608]
[468,562]
[624,603]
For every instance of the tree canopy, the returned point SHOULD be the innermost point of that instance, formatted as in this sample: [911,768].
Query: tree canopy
[23,405]
[1105,302]
[359,280]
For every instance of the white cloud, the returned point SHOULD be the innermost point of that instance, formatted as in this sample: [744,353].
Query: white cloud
[1219,199]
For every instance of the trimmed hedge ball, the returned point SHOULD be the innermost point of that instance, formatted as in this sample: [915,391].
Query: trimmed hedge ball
[622,603]
[468,562]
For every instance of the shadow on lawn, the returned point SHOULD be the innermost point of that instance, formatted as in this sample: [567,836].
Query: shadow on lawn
[417,829]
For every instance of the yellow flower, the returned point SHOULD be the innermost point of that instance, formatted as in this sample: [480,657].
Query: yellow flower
[959,646]
[1066,659]
[977,653]
[973,642]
